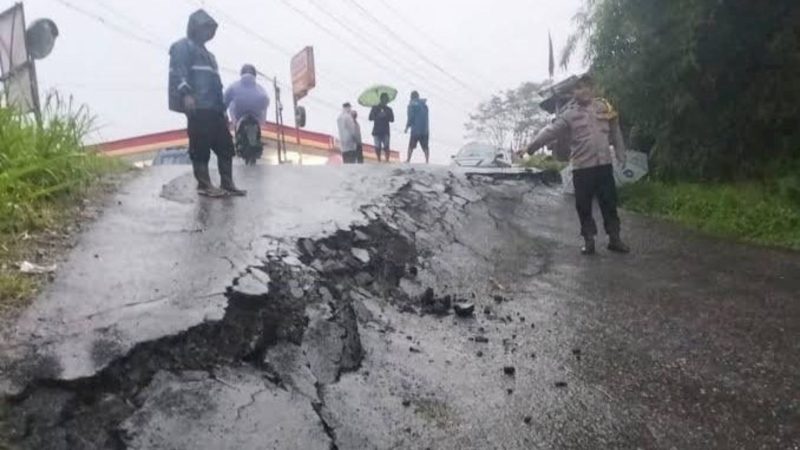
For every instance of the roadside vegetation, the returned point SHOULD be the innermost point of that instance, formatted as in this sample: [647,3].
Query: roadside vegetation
[544,162]
[752,211]
[45,173]
[710,90]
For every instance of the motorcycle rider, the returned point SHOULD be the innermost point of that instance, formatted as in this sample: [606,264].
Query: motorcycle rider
[247,103]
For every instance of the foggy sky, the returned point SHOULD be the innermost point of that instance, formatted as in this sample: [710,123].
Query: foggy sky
[485,45]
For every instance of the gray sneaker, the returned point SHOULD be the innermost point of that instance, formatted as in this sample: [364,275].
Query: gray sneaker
[234,192]
[212,192]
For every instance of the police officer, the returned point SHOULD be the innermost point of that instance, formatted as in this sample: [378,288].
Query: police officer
[591,126]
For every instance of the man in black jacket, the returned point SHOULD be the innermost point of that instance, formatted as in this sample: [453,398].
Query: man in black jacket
[382,115]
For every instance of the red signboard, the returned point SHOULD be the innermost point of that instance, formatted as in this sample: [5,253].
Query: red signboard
[304,76]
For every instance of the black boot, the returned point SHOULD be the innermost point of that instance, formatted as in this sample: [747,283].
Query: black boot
[226,177]
[617,246]
[204,185]
[588,246]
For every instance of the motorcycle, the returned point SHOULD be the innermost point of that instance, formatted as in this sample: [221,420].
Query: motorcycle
[248,140]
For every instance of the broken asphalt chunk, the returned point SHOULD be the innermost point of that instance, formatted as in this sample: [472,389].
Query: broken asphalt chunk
[436,306]
[364,278]
[464,309]
[361,255]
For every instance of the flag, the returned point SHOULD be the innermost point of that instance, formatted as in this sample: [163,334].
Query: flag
[552,66]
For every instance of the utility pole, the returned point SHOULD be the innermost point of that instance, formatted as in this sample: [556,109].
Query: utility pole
[281,135]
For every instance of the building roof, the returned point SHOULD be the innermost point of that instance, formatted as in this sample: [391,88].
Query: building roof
[311,142]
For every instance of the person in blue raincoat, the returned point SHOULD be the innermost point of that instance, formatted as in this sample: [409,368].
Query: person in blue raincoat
[418,125]
[195,89]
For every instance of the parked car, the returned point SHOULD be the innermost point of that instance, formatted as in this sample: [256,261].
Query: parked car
[480,154]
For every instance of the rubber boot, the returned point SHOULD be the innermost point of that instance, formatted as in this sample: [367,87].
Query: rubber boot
[204,185]
[588,246]
[225,166]
[617,246]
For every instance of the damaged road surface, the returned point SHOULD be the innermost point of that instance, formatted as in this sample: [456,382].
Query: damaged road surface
[372,307]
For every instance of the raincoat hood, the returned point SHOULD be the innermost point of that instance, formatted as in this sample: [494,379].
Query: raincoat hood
[197,21]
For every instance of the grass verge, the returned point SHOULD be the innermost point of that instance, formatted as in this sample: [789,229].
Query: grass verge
[752,212]
[544,162]
[45,173]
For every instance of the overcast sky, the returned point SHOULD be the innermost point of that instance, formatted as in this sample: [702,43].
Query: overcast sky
[456,53]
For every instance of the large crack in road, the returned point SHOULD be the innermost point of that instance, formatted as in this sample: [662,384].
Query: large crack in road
[349,340]
[290,326]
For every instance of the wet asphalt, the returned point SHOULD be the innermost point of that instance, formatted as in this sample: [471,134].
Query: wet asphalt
[689,342]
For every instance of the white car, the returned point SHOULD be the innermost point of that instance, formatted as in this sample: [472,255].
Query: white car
[482,155]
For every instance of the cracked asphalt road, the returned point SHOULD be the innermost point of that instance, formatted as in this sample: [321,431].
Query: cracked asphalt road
[294,318]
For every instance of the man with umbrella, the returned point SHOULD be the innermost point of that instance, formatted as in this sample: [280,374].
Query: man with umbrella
[378,98]
[382,116]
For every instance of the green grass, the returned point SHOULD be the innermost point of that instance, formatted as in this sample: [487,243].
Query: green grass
[544,162]
[767,214]
[44,172]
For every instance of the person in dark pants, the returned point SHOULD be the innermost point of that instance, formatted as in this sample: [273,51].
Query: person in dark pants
[419,126]
[195,89]
[359,144]
[382,116]
[591,125]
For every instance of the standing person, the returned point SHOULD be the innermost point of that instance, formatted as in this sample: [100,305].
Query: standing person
[381,116]
[247,103]
[247,96]
[359,141]
[419,126]
[195,89]
[592,126]
[347,135]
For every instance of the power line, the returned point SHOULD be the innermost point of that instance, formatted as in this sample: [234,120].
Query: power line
[371,41]
[405,43]
[432,40]
[249,31]
[136,37]
[121,30]
[116,13]
[355,49]
[245,28]
[314,98]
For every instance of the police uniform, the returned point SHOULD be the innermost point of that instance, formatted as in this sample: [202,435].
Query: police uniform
[590,130]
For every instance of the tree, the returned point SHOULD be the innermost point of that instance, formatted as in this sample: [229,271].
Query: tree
[511,118]
[712,84]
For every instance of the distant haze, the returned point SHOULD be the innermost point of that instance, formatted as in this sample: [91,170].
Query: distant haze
[486,46]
